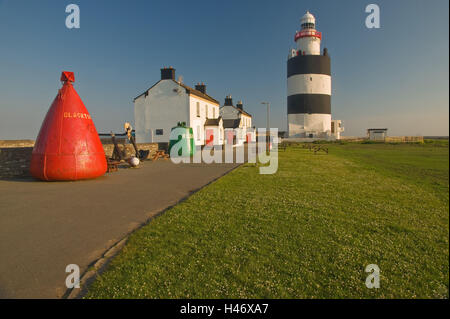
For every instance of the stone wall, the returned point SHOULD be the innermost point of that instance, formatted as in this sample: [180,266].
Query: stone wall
[129,149]
[15,162]
[15,156]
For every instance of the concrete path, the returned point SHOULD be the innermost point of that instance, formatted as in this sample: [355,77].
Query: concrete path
[46,226]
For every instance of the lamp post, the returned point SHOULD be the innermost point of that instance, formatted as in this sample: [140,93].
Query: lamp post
[268,125]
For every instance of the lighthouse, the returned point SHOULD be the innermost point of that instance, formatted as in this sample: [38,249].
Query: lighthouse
[309,85]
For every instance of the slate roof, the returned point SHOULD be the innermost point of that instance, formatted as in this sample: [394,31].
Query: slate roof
[188,89]
[192,91]
[213,122]
[234,123]
[240,111]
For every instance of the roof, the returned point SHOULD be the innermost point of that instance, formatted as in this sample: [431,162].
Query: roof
[231,123]
[307,18]
[213,122]
[188,89]
[192,91]
[240,111]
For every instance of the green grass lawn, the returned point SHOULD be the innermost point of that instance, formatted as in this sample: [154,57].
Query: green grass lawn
[307,231]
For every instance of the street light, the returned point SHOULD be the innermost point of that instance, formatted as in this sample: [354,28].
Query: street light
[268,111]
[268,126]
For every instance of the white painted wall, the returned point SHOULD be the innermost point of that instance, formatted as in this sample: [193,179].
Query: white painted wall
[317,124]
[246,121]
[338,128]
[165,105]
[197,121]
[229,112]
[309,83]
[311,45]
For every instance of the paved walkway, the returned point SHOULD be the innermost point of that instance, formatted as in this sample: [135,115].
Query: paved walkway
[46,226]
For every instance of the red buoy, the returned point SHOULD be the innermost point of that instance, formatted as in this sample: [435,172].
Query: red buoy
[68,146]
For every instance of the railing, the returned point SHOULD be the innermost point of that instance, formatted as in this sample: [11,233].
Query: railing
[308,33]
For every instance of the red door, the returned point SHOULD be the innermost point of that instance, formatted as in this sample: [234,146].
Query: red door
[230,137]
[210,137]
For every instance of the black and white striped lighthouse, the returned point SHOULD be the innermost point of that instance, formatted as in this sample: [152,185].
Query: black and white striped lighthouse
[309,84]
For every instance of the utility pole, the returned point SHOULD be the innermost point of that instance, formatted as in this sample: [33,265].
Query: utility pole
[268,124]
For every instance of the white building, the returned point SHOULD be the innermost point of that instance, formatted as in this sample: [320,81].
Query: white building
[336,128]
[167,102]
[237,123]
[309,85]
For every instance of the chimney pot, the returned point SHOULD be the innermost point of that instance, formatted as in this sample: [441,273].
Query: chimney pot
[228,100]
[201,87]
[167,73]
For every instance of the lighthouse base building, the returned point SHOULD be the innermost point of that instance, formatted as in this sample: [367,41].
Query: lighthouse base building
[309,86]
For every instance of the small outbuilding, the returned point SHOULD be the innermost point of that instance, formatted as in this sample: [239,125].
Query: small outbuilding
[377,134]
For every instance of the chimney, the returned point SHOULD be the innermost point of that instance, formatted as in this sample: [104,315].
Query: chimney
[325,51]
[168,73]
[239,105]
[201,87]
[228,100]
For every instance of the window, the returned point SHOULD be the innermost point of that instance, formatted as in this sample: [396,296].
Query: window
[214,112]
[159,131]
[206,111]
[198,109]
[198,132]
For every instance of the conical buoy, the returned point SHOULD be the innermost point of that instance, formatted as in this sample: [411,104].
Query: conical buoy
[68,146]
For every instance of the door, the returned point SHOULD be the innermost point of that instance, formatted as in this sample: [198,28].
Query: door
[209,137]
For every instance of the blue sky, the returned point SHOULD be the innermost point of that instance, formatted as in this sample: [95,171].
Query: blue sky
[395,76]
